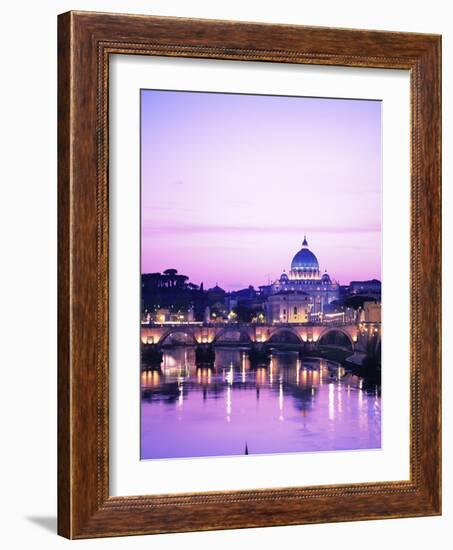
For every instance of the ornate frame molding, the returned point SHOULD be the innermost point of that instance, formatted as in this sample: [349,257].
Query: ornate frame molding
[86,40]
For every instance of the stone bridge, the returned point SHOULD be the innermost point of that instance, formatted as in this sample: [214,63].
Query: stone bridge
[218,334]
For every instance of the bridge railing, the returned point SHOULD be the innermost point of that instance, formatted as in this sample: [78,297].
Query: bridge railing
[238,324]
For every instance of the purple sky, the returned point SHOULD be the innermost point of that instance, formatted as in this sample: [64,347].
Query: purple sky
[231,183]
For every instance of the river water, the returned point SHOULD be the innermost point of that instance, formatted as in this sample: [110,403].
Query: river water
[233,408]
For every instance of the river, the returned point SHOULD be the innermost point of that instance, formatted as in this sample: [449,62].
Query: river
[292,405]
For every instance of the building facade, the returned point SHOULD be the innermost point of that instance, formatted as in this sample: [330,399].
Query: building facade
[288,306]
[305,277]
[368,288]
[370,312]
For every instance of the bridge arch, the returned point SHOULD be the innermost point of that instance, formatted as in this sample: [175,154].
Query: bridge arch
[284,335]
[336,337]
[178,331]
[232,334]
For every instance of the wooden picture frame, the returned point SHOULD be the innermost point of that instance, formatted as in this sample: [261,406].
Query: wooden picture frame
[85,42]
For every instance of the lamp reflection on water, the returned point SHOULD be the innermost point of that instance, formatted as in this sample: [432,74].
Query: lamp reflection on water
[331,401]
[280,399]
[228,404]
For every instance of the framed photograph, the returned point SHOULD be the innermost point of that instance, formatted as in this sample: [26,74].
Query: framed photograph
[249,275]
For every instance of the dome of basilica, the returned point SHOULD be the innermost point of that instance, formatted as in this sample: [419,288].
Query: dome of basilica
[304,259]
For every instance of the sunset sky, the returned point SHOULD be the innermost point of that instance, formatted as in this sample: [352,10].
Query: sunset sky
[231,183]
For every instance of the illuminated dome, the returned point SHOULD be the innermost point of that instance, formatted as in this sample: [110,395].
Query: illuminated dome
[304,259]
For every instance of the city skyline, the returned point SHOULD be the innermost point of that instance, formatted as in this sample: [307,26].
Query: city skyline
[232,183]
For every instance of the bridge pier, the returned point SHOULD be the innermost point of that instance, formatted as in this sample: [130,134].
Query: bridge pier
[309,346]
[303,350]
[151,356]
[259,354]
[204,354]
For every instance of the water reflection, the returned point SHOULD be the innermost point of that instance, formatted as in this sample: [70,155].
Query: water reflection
[290,406]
